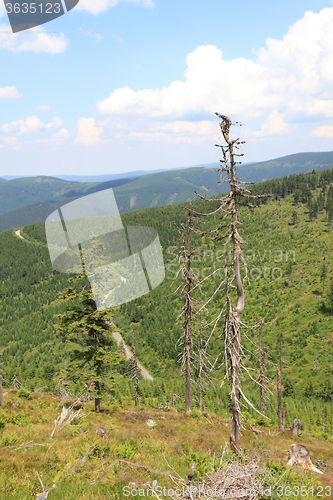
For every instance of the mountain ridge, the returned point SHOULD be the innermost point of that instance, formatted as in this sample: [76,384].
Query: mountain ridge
[27,200]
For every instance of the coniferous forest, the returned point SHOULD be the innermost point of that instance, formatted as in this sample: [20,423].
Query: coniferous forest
[289,286]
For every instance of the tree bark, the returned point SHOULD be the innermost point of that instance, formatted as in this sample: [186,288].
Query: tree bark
[331,414]
[174,399]
[188,315]
[279,387]
[261,371]
[284,415]
[238,309]
[200,365]
[1,393]
[97,399]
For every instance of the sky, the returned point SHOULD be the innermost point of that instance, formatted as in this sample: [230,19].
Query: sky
[115,86]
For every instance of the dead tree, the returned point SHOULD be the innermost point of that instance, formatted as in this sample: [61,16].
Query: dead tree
[16,382]
[295,426]
[186,253]
[229,203]
[331,414]
[1,393]
[135,373]
[1,387]
[284,415]
[202,362]
[174,399]
[261,370]
[279,389]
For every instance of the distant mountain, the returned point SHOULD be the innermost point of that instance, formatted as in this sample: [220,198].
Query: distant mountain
[47,193]
[31,199]
[286,165]
[109,177]
[2,179]
[27,191]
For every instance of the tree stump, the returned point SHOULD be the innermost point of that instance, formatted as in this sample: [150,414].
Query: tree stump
[296,424]
[300,454]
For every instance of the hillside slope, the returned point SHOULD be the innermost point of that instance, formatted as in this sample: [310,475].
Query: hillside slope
[284,255]
[23,200]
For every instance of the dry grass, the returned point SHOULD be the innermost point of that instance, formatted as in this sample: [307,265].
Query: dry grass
[131,451]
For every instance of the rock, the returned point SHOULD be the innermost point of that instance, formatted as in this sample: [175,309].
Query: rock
[150,422]
[101,432]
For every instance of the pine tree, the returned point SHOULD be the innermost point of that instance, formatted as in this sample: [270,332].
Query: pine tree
[294,217]
[96,358]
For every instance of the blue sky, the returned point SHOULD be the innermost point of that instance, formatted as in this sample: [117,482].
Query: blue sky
[121,85]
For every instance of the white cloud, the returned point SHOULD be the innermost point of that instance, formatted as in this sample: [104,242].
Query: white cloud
[10,93]
[88,133]
[274,125]
[9,141]
[31,125]
[323,131]
[54,123]
[92,34]
[291,78]
[43,108]
[62,134]
[97,6]
[34,40]
[116,38]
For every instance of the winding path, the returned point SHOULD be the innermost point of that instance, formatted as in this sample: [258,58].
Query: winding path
[128,355]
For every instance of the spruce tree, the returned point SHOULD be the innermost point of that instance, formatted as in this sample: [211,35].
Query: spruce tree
[95,359]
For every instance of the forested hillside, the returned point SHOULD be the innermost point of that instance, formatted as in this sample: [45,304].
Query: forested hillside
[289,271]
[28,200]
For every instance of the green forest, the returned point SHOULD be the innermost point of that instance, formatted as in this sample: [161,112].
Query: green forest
[289,285]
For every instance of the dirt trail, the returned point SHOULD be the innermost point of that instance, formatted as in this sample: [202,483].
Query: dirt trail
[128,355]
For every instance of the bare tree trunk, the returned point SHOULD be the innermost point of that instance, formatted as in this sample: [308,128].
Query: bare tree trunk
[135,375]
[331,414]
[15,382]
[200,365]
[174,399]
[1,393]
[187,313]
[261,371]
[97,399]
[229,207]
[237,311]
[279,387]
[284,415]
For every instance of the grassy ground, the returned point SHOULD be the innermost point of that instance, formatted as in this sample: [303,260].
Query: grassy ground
[132,451]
